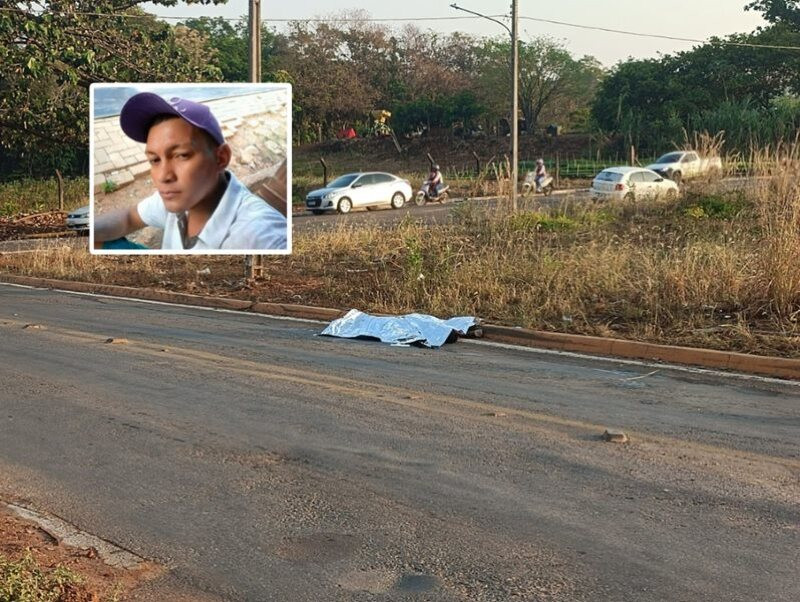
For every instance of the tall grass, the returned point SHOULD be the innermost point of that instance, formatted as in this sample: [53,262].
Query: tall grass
[778,205]
[38,195]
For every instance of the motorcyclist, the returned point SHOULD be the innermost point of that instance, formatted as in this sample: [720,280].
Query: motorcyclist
[540,174]
[435,181]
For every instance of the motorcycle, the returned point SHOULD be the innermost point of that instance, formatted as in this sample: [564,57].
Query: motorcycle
[425,195]
[529,185]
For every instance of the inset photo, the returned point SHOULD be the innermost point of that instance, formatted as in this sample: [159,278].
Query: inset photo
[190,169]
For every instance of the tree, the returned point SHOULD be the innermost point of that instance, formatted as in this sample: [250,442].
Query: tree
[327,86]
[434,66]
[786,12]
[551,81]
[230,46]
[651,102]
[52,50]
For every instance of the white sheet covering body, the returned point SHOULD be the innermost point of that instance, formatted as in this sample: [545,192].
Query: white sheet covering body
[399,330]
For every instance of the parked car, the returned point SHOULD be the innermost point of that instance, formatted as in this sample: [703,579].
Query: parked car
[78,220]
[370,190]
[630,184]
[684,165]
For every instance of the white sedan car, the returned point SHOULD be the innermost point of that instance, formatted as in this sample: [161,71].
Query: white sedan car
[78,220]
[630,184]
[368,189]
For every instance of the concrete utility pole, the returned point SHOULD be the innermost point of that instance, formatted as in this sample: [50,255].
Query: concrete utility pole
[254,19]
[254,264]
[514,121]
[514,105]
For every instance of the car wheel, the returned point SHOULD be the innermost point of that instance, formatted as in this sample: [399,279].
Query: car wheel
[317,211]
[677,177]
[398,200]
[672,194]
[420,199]
[629,198]
[345,205]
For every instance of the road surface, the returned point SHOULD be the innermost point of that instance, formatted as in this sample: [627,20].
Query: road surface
[434,213]
[259,461]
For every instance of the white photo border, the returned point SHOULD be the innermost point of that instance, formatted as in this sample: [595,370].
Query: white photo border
[156,87]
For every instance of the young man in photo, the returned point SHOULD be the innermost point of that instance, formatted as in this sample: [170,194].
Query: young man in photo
[198,203]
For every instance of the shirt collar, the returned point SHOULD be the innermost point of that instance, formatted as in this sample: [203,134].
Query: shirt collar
[218,225]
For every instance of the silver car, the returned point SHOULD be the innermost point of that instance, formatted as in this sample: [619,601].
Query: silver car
[78,220]
[368,189]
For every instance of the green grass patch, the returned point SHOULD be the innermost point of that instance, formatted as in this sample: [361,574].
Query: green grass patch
[25,581]
[716,206]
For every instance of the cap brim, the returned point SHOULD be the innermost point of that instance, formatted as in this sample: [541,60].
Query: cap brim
[139,111]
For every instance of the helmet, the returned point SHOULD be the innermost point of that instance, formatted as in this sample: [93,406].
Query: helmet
[435,166]
[539,161]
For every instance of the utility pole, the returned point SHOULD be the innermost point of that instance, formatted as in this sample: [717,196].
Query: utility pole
[254,264]
[254,19]
[513,121]
[514,104]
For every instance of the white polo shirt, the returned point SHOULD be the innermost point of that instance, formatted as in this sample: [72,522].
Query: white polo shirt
[241,222]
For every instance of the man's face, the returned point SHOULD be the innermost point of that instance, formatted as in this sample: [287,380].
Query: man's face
[184,168]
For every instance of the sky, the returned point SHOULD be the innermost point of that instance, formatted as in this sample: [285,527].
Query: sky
[697,19]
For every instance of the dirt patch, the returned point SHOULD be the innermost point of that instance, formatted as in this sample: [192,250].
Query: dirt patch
[450,151]
[98,581]
[32,225]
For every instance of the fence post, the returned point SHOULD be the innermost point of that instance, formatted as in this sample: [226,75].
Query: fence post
[633,155]
[324,172]
[60,191]
[558,169]
[477,162]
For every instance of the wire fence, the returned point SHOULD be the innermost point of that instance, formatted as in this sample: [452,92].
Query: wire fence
[571,167]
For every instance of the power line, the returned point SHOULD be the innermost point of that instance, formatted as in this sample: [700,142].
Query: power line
[451,18]
[314,20]
[659,36]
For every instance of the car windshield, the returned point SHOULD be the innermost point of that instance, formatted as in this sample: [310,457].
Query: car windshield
[670,158]
[609,176]
[343,181]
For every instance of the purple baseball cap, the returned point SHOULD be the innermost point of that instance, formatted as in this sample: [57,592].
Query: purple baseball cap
[139,111]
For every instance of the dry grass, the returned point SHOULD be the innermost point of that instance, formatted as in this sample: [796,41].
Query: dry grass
[718,268]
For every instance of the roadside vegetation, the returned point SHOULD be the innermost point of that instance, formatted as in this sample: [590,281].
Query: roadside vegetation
[38,195]
[716,268]
[25,580]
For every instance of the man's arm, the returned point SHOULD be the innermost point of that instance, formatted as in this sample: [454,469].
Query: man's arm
[116,224]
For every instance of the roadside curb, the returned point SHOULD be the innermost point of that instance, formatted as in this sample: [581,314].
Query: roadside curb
[776,367]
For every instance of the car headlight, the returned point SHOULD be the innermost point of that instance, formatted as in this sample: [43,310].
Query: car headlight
[328,196]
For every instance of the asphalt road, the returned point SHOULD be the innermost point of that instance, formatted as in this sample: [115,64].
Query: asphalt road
[436,213]
[260,462]
[431,214]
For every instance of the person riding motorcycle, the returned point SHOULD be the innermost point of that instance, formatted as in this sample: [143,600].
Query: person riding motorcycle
[541,174]
[435,181]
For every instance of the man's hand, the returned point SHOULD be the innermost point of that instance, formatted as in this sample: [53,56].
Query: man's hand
[116,224]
